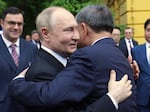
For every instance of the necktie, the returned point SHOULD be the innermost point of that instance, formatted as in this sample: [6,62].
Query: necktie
[130,47]
[14,54]
[130,44]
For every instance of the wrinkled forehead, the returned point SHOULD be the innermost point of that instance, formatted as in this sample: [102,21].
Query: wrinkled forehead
[63,17]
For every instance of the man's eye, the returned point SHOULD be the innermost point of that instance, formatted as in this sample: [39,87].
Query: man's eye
[68,29]
[148,30]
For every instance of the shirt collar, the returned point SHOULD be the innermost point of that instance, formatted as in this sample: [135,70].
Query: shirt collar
[127,40]
[98,40]
[147,44]
[8,43]
[56,55]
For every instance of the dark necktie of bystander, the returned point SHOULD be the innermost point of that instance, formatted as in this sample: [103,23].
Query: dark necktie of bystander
[130,44]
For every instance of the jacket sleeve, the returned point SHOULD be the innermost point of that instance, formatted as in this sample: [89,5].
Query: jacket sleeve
[103,104]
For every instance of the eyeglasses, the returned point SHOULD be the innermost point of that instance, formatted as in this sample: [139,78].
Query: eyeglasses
[13,23]
[128,32]
[116,35]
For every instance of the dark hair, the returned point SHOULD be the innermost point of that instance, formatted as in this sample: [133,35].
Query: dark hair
[34,31]
[129,28]
[11,10]
[146,23]
[116,27]
[98,17]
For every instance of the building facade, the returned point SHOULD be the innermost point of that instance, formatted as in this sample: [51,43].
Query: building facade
[132,13]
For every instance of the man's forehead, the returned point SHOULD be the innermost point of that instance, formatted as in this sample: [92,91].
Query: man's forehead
[128,30]
[14,16]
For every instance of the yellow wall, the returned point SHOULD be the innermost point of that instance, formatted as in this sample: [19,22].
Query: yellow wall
[132,13]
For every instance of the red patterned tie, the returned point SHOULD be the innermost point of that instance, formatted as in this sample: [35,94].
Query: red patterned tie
[14,54]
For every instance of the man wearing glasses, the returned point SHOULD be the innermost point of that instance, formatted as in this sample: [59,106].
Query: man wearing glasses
[16,54]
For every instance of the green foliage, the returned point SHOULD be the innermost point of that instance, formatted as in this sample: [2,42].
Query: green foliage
[2,6]
[32,8]
[122,27]
[72,5]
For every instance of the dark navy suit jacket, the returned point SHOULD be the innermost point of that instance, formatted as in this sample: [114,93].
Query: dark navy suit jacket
[45,68]
[143,82]
[83,80]
[8,71]
[123,46]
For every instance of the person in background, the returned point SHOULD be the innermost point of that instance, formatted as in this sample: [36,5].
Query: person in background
[16,54]
[86,75]
[35,38]
[127,43]
[141,54]
[28,37]
[116,35]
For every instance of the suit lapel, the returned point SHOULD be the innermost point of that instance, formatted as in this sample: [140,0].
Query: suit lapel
[125,45]
[51,59]
[4,54]
[143,57]
[23,54]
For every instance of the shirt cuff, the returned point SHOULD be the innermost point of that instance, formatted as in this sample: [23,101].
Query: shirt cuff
[18,77]
[113,100]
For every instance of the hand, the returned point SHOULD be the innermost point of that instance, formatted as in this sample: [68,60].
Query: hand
[136,69]
[22,74]
[129,59]
[119,90]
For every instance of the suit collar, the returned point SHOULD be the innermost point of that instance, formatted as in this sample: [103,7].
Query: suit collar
[6,55]
[106,40]
[8,43]
[99,40]
[56,55]
[142,54]
[50,58]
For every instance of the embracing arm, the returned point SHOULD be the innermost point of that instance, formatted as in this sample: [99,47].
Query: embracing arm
[118,91]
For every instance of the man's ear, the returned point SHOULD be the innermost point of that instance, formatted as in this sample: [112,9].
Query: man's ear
[44,33]
[84,29]
[1,22]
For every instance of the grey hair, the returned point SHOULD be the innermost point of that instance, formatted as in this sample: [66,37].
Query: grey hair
[44,19]
[97,17]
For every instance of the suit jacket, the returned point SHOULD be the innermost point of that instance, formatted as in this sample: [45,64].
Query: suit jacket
[143,82]
[37,44]
[83,80]
[123,46]
[9,70]
[44,68]
[51,67]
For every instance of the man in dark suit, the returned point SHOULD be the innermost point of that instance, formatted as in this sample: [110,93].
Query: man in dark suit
[116,33]
[86,76]
[12,61]
[141,54]
[127,43]
[35,38]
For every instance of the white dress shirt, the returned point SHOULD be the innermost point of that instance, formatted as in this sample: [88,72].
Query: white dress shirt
[148,51]
[56,55]
[128,45]
[8,43]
